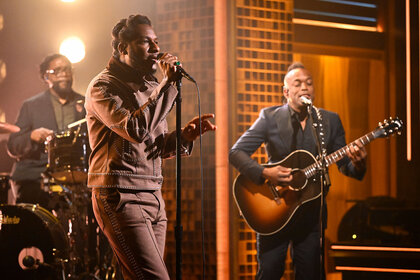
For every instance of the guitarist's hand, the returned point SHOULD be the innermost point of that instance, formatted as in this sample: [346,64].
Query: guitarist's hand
[278,175]
[357,154]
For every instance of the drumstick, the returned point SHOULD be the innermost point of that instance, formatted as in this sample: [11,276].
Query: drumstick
[76,123]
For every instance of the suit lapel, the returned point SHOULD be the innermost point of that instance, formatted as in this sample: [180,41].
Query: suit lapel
[48,113]
[284,126]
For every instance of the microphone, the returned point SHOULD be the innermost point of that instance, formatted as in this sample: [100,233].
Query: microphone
[180,70]
[306,101]
[29,261]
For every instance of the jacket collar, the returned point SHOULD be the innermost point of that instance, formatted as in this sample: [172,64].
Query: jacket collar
[127,73]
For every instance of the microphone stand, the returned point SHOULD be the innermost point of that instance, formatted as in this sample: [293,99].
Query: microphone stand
[324,180]
[178,225]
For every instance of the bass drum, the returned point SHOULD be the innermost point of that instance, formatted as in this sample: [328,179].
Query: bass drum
[33,245]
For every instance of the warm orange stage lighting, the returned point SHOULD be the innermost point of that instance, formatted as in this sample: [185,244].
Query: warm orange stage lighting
[374,248]
[377,249]
[73,48]
[336,25]
[408,76]
[377,269]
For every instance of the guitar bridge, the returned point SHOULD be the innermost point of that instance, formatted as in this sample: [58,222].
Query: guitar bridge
[275,193]
[277,200]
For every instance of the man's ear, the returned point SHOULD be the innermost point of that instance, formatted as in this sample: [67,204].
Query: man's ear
[286,92]
[122,48]
[47,81]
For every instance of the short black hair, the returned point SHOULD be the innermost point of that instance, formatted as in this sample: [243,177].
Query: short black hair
[45,64]
[124,30]
[295,65]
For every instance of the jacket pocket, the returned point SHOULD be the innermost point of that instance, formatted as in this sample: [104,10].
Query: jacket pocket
[124,198]
[125,149]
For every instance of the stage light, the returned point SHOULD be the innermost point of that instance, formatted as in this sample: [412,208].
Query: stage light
[2,70]
[73,48]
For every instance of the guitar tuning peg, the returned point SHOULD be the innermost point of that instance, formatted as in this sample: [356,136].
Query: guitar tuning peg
[380,124]
[385,121]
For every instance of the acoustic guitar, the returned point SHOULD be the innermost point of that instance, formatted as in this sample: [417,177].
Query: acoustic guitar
[269,209]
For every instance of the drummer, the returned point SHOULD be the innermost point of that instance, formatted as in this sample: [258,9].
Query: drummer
[41,116]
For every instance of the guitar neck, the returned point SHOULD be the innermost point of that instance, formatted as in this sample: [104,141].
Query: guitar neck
[337,155]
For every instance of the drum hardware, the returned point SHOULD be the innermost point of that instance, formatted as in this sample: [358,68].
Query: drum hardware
[89,252]
[76,134]
[58,189]
[31,258]
[4,187]
[29,261]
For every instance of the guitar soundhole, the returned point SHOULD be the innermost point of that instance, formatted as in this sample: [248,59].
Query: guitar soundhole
[299,180]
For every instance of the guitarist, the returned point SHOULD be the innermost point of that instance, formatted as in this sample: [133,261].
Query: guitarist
[284,129]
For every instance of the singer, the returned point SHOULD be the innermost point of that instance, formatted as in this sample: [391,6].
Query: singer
[284,129]
[126,115]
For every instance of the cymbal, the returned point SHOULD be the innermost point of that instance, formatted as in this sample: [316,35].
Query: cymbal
[8,128]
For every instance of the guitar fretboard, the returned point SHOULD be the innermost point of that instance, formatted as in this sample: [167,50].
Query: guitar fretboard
[312,169]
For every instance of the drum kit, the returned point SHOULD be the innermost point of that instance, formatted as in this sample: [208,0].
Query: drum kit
[64,243]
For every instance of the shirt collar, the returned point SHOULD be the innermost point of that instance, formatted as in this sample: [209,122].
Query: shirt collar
[70,97]
[293,113]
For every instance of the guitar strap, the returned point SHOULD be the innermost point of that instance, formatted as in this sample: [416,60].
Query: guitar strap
[320,125]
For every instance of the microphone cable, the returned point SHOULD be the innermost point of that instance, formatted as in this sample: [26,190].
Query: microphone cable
[203,249]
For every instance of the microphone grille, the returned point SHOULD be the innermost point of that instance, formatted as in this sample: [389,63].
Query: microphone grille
[306,100]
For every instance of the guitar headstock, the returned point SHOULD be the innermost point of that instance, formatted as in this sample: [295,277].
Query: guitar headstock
[388,127]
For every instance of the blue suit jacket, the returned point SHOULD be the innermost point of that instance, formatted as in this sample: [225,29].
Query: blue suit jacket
[274,128]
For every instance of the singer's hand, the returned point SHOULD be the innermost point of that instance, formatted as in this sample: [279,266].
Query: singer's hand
[192,130]
[168,65]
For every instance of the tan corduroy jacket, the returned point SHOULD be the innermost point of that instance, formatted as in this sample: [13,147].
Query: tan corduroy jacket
[126,118]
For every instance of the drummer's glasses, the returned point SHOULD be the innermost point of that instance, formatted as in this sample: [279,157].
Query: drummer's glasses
[58,70]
